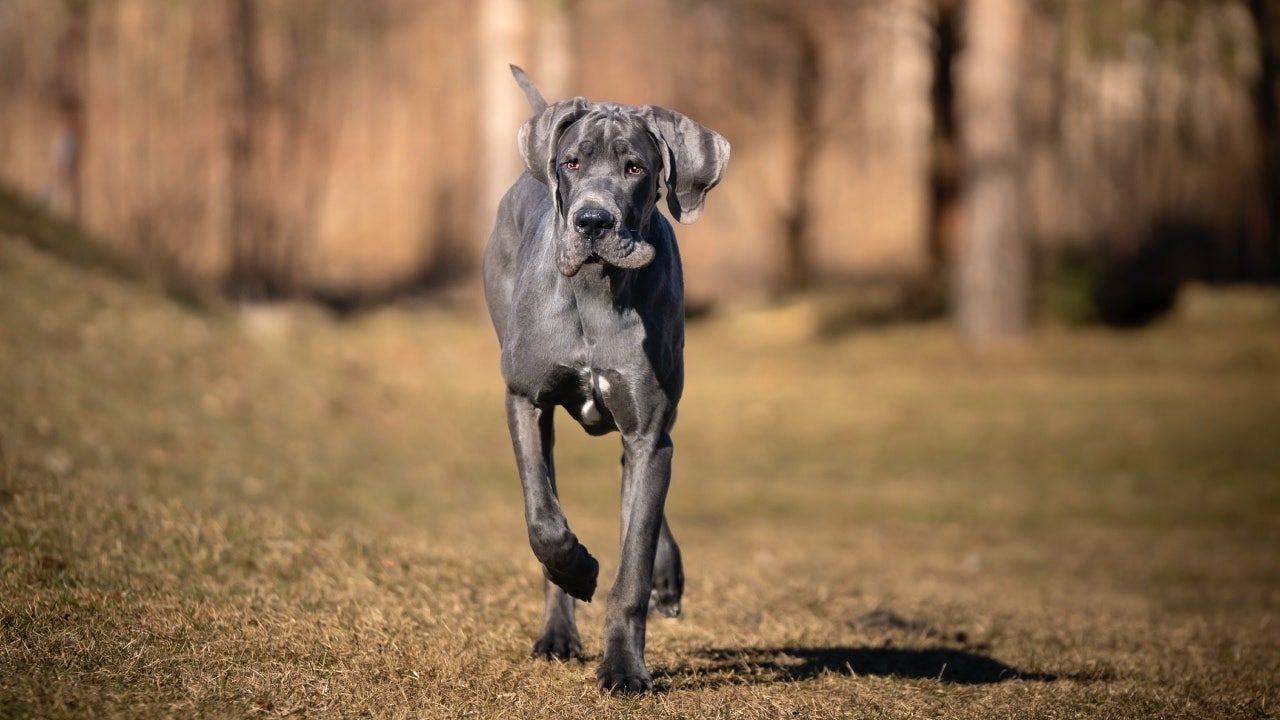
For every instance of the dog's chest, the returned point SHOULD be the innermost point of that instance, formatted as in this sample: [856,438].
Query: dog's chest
[592,403]
[588,393]
[562,354]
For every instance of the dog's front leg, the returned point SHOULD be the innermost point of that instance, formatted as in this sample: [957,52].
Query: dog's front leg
[559,639]
[645,478]
[565,561]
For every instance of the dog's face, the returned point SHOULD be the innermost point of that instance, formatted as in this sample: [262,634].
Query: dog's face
[607,167]
[602,163]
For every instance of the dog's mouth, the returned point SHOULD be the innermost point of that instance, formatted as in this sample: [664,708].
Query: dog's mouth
[625,250]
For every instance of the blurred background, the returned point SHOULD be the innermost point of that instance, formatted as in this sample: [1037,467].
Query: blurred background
[1076,158]
[253,458]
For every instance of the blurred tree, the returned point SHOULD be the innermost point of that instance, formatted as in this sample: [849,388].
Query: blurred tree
[242,31]
[797,272]
[944,180]
[244,277]
[1266,15]
[554,45]
[808,30]
[63,191]
[262,261]
[991,284]
[501,40]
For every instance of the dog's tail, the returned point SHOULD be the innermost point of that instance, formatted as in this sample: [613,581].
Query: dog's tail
[536,101]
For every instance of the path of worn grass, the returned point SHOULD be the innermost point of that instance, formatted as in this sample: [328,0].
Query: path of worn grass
[279,514]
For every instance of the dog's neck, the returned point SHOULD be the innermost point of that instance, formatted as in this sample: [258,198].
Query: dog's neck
[600,284]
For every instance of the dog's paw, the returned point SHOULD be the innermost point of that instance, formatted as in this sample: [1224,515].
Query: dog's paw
[623,674]
[664,603]
[578,576]
[668,588]
[557,644]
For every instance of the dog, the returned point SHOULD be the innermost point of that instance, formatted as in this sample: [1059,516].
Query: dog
[584,287]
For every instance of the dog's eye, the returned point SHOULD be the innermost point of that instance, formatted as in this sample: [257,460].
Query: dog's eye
[634,169]
[570,164]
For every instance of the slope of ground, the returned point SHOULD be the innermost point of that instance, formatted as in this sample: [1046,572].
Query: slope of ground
[268,512]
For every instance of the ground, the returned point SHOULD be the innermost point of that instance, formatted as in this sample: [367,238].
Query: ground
[268,512]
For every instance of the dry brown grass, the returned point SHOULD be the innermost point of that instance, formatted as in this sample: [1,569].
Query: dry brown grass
[273,513]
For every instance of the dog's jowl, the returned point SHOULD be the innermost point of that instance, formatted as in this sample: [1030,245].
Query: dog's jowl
[584,287]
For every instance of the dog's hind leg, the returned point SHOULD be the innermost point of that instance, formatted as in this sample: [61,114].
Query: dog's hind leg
[565,561]
[559,638]
[668,575]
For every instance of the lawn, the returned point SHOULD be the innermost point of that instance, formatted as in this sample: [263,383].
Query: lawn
[271,512]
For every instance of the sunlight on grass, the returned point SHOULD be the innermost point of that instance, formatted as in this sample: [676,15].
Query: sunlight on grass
[267,511]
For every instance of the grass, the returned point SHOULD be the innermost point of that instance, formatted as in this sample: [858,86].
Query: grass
[267,512]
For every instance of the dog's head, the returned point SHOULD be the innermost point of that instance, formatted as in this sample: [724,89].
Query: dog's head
[603,163]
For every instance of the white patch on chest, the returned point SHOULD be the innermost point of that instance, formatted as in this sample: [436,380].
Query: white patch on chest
[590,415]
[599,386]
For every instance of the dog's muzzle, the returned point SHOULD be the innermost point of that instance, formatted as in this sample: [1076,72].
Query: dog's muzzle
[596,235]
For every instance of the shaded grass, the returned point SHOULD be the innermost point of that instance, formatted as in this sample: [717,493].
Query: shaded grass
[273,513]
[72,244]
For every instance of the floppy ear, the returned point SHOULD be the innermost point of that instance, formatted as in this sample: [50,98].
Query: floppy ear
[695,160]
[539,136]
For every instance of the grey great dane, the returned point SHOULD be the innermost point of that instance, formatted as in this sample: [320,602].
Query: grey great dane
[584,287]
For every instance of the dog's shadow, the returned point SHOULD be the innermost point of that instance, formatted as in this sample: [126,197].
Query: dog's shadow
[717,666]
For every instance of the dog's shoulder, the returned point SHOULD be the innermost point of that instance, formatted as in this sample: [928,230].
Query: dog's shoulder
[528,202]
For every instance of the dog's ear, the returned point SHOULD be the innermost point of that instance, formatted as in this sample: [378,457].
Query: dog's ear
[695,159]
[539,136]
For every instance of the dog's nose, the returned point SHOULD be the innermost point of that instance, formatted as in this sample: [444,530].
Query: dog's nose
[593,222]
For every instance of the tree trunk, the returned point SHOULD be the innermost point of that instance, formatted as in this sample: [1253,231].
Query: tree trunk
[245,274]
[555,42]
[797,269]
[991,290]
[501,40]
[1266,16]
[944,180]
[63,193]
